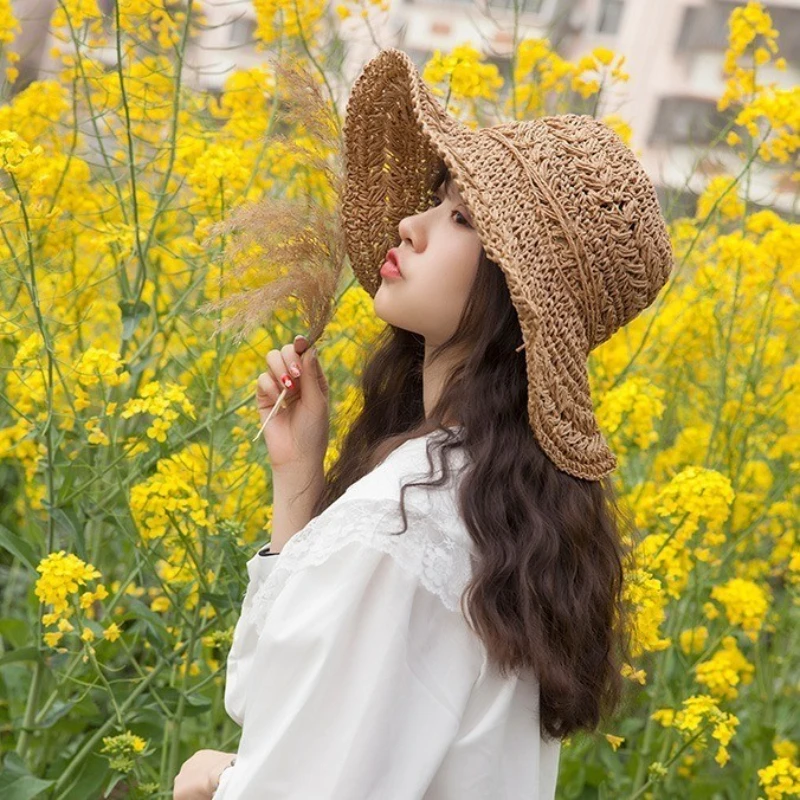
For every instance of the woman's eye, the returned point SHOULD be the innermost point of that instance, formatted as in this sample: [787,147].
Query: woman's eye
[436,200]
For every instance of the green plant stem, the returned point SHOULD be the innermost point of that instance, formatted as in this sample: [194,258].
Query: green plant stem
[89,744]
[93,117]
[638,793]
[177,721]
[30,710]
[650,728]
[321,71]
[36,681]
[732,316]
[141,273]
[54,694]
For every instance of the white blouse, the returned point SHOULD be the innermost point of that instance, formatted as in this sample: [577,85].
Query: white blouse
[353,672]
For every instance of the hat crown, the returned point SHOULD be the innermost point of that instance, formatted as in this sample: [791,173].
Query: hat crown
[609,238]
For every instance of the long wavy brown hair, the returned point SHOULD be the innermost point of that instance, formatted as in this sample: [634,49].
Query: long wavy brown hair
[547,588]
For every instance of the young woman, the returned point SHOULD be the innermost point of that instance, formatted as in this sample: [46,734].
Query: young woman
[434,615]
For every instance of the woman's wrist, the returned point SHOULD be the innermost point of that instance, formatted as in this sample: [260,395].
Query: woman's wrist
[215,784]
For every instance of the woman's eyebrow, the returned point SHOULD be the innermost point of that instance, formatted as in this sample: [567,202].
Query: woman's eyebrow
[448,185]
[451,190]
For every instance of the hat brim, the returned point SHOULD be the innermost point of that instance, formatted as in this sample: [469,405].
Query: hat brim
[560,407]
[396,137]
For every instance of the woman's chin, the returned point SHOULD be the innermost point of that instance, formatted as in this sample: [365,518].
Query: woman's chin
[382,307]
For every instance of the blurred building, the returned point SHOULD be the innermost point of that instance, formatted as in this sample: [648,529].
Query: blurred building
[673,52]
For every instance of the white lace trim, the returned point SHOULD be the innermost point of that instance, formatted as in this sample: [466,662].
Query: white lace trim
[426,551]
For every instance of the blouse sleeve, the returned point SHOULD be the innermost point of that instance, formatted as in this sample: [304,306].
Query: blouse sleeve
[360,678]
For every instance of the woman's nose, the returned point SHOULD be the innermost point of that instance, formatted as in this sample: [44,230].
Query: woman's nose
[410,228]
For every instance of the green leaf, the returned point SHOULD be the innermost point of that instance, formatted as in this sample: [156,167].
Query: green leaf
[20,654]
[90,779]
[131,314]
[60,709]
[22,787]
[196,704]
[16,783]
[221,602]
[15,631]
[71,528]
[169,696]
[115,778]
[18,547]
[144,615]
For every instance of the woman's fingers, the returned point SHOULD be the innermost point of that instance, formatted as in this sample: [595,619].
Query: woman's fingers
[267,390]
[284,368]
[301,343]
[292,360]
[280,370]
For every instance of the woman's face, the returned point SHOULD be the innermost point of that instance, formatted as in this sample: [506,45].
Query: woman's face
[438,255]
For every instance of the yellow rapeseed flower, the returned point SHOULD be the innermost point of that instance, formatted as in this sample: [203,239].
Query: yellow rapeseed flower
[697,494]
[9,26]
[645,594]
[725,670]
[61,575]
[693,640]
[52,638]
[746,603]
[463,73]
[287,18]
[780,779]
[14,151]
[112,632]
[720,190]
[614,741]
[699,711]
[122,750]
[633,408]
[96,366]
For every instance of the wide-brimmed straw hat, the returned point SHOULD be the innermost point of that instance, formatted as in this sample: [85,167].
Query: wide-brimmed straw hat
[560,203]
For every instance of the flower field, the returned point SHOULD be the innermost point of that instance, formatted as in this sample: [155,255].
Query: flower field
[132,494]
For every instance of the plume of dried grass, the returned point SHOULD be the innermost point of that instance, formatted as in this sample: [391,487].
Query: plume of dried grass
[295,248]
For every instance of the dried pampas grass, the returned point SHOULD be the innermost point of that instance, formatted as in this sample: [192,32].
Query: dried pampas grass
[294,248]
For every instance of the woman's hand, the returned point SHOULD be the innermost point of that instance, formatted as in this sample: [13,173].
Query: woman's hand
[199,775]
[298,433]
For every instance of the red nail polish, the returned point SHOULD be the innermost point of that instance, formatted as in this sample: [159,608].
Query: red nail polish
[286,381]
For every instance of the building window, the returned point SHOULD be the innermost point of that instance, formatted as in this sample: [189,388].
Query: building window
[703,29]
[687,120]
[610,16]
[243,31]
[525,6]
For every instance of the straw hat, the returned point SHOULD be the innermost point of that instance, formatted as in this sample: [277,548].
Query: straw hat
[560,203]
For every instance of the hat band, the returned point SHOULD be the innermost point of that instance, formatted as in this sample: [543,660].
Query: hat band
[541,188]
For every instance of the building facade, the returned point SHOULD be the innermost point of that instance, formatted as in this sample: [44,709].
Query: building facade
[673,52]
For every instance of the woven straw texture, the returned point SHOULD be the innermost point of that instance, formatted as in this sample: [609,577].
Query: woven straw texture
[560,203]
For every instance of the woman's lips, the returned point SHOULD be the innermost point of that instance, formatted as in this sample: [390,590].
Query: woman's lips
[390,270]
